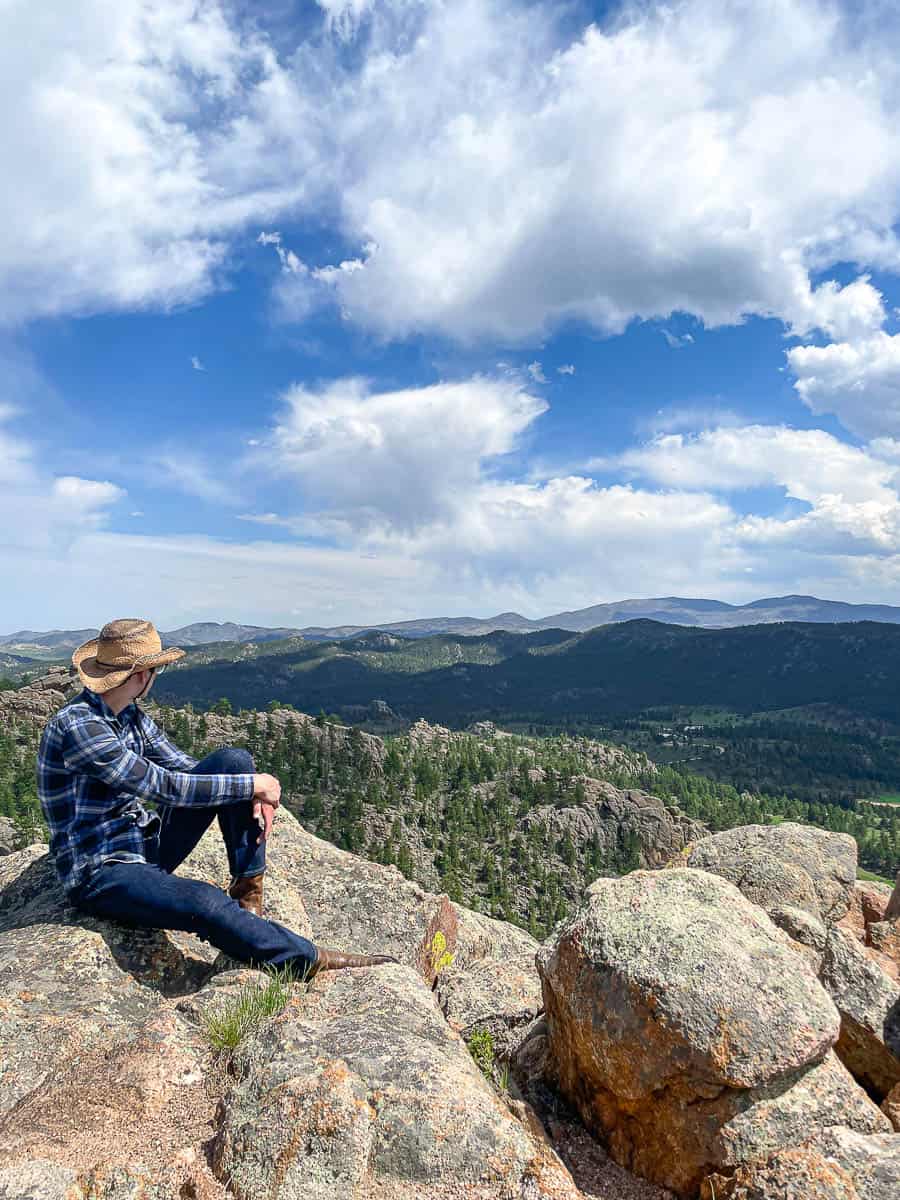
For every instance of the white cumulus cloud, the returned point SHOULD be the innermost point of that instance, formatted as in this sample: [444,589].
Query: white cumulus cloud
[404,457]
[858,381]
[494,173]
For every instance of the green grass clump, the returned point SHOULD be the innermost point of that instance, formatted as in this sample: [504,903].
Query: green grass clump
[226,1025]
[481,1047]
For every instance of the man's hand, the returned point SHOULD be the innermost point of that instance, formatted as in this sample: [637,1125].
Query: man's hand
[266,798]
[265,815]
[266,790]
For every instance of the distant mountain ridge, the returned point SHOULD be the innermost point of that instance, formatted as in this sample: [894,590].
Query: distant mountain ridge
[670,610]
[618,669]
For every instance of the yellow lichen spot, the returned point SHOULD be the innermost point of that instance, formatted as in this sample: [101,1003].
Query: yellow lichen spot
[440,956]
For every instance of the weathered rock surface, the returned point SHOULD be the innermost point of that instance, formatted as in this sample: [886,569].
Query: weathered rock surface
[873,1163]
[801,1174]
[869,1004]
[107,1085]
[33,703]
[841,1164]
[890,1106]
[9,838]
[68,983]
[354,904]
[884,946]
[892,912]
[784,865]
[868,901]
[607,811]
[865,921]
[684,1028]
[338,1097]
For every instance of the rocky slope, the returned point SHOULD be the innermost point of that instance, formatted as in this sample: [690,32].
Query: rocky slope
[715,1052]
[361,1087]
[670,1039]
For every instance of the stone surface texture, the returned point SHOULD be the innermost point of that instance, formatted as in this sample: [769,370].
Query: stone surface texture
[869,1003]
[109,1089]
[686,1031]
[784,865]
[338,1094]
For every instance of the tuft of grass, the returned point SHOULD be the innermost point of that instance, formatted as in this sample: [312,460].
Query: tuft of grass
[226,1025]
[481,1047]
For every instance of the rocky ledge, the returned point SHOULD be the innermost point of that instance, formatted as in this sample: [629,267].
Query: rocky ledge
[360,1086]
[712,1030]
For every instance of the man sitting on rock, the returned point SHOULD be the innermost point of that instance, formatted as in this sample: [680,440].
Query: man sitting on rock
[101,755]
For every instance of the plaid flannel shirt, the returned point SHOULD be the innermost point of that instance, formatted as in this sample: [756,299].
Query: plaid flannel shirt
[94,770]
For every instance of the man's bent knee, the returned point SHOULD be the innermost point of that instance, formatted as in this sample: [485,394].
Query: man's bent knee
[229,760]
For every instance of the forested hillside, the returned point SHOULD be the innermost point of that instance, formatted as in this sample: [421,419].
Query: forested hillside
[612,671]
[512,824]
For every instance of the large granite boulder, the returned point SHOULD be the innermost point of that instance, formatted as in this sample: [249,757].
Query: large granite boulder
[361,1086]
[685,1029]
[785,865]
[842,1164]
[869,1003]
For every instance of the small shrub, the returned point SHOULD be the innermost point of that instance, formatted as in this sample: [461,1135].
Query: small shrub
[481,1047]
[227,1025]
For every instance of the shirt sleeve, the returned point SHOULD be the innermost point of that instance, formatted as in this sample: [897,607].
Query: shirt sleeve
[92,748]
[161,750]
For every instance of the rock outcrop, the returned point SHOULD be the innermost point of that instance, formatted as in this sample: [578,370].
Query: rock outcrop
[362,1085]
[842,1165]
[9,838]
[869,1003]
[608,812]
[784,866]
[31,704]
[688,1033]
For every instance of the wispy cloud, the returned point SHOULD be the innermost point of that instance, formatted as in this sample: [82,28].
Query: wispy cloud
[536,371]
[566,369]
[196,363]
[676,341]
[190,474]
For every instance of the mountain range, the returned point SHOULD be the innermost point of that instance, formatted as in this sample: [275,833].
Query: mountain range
[611,671]
[670,610]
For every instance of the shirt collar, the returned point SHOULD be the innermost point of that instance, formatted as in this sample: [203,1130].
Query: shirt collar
[95,701]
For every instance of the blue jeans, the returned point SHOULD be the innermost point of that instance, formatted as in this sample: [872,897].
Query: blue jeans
[149,896]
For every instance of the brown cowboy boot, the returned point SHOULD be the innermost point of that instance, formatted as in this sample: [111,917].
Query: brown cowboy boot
[336,960]
[248,891]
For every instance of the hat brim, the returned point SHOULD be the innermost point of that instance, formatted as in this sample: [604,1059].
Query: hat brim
[103,679]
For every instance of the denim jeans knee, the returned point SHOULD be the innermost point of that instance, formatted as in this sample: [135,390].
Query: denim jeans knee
[229,760]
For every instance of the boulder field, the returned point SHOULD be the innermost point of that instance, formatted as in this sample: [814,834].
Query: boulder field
[722,1028]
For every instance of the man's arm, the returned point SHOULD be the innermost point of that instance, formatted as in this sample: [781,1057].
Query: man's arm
[161,750]
[92,748]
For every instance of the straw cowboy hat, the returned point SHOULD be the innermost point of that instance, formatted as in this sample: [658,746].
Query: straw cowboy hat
[123,647]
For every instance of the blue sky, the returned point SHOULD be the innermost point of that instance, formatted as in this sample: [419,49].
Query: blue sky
[359,310]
